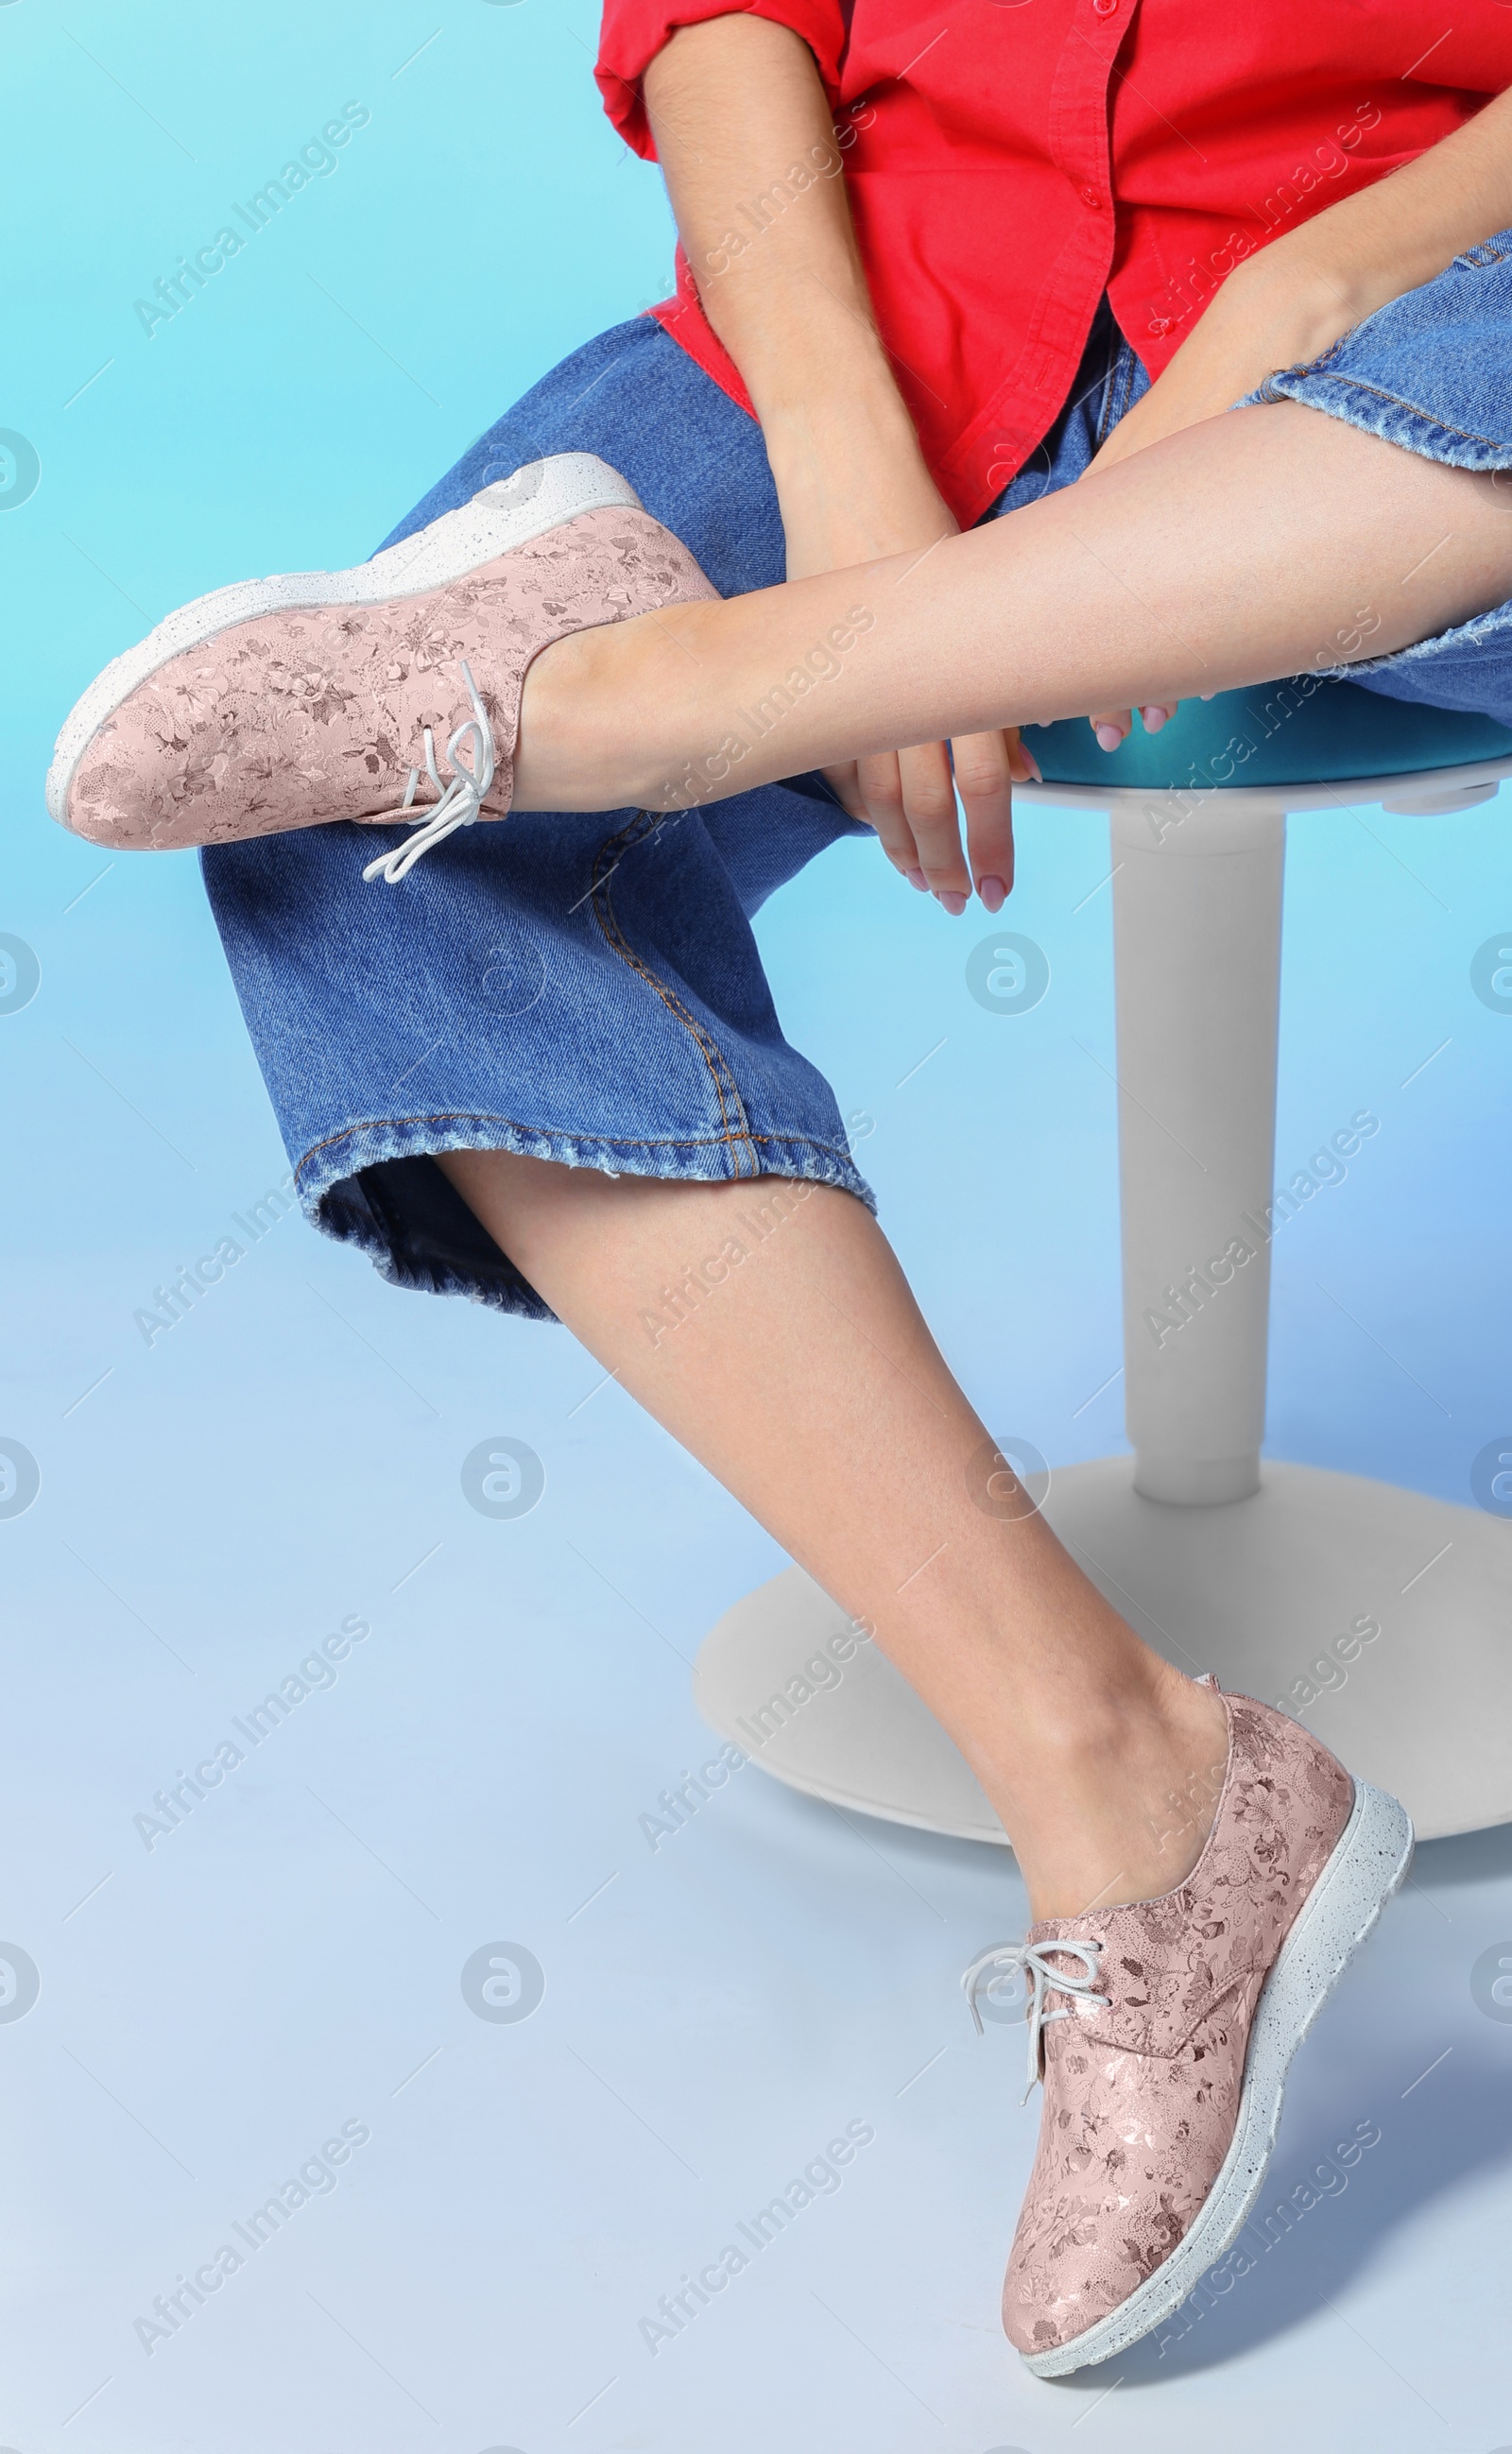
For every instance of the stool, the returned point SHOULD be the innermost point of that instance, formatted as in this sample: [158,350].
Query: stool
[1380,1616]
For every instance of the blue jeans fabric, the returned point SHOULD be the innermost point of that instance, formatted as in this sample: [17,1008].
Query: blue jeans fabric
[587,988]
[1430,372]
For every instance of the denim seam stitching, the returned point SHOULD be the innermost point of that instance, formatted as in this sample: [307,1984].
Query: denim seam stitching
[1394,400]
[558,1133]
[614,937]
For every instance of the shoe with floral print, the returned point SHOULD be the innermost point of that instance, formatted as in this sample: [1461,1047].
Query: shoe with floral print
[293,701]
[1165,2051]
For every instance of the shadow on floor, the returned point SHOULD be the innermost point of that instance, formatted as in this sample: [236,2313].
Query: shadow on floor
[1427,2149]
[1468,1857]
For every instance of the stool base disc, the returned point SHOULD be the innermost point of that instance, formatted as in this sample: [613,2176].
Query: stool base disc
[1276,1594]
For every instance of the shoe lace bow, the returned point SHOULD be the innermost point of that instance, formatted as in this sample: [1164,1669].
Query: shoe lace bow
[1035,1961]
[460,800]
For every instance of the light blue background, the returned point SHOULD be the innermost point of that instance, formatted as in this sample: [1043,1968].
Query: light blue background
[289,1452]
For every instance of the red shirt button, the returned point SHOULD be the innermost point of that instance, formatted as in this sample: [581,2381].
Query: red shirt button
[1104,8]
[1090,196]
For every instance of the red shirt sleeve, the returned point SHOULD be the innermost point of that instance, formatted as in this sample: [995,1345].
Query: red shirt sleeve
[635,31]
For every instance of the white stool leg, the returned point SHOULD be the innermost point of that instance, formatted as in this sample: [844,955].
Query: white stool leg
[1197,935]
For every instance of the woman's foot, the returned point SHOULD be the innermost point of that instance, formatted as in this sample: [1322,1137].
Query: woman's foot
[293,702]
[1162,2031]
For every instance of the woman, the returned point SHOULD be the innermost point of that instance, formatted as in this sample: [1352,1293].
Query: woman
[539,1064]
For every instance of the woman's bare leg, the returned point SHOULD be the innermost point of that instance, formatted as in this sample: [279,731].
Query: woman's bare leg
[1269,541]
[806,1380]
[1258,544]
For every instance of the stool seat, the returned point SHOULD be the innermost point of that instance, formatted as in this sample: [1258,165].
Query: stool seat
[1305,730]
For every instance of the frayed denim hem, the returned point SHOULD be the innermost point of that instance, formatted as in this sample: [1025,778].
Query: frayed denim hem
[1467,667]
[1428,671]
[374,1186]
[1383,414]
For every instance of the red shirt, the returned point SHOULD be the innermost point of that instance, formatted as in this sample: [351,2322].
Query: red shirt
[1007,161]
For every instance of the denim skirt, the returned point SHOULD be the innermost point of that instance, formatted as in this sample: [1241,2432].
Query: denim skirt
[588,989]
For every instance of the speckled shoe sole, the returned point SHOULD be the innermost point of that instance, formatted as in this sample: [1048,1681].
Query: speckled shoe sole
[1369,1863]
[539,497]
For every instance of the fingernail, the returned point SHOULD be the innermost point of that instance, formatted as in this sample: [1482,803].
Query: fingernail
[1156,716]
[1033,765]
[1109,738]
[993,892]
[955,904]
[915,877]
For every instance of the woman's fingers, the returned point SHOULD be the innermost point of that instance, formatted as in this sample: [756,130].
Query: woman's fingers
[881,792]
[928,805]
[910,799]
[987,765]
[910,802]
[1114,728]
[928,809]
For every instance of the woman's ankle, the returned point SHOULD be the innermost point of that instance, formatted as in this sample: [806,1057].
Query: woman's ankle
[577,726]
[639,714]
[1119,1808]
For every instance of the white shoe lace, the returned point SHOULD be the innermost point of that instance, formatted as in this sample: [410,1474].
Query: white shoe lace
[1033,1960]
[460,802]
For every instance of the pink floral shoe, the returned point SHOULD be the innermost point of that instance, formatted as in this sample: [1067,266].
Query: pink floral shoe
[1164,2061]
[293,701]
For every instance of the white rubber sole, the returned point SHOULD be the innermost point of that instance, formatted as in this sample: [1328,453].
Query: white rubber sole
[538,497]
[1370,1861]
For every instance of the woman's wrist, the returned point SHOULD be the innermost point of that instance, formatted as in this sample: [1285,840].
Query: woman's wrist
[1280,309]
[849,411]
[820,376]
[1287,305]
[849,493]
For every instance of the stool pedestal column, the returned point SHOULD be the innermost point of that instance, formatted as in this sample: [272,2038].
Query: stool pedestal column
[1196,906]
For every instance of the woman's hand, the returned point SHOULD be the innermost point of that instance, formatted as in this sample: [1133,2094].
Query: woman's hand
[852,487]
[755,173]
[1292,300]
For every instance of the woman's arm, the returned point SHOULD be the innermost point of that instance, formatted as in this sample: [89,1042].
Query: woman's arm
[1292,300]
[754,172]
[1243,549]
